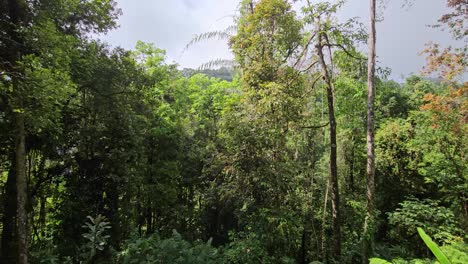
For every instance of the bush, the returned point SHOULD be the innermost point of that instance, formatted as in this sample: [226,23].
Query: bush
[449,254]
[172,250]
[437,220]
[249,250]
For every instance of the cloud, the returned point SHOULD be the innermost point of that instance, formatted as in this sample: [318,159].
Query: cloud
[172,24]
[190,3]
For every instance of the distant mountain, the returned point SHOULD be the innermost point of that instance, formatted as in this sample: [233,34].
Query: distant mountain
[221,73]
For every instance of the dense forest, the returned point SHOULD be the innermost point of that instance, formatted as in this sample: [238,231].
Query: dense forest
[300,150]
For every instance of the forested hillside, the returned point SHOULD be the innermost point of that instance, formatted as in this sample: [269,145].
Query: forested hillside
[300,150]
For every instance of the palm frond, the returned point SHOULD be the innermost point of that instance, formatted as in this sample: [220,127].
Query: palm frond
[230,64]
[231,30]
[220,35]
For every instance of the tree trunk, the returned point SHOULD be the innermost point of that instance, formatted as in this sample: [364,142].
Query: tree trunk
[113,216]
[351,166]
[21,187]
[9,245]
[323,247]
[369,228]
[42,215]
[17,16]
[335,196]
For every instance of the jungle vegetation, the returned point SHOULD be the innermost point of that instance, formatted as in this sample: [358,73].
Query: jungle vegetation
[301,150]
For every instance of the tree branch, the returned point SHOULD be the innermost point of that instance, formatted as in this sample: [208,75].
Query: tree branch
[316,127]
[345,50]
[310,66]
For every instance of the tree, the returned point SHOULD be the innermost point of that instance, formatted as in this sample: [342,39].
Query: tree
[330,38]
[449,62]
[23,24]
[16,12]
[333,144]
[261,164]
[370,170]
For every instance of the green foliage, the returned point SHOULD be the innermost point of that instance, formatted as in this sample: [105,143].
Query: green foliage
[48,256]
[264,39]
[45,252]
[378,261]
[448,254]
[240,161]
[433,247]
[427,214]
[95,242]
[93,16]
[400,261]
[172,250]
[457,253]
[96,237]
[250,249]
[222,73]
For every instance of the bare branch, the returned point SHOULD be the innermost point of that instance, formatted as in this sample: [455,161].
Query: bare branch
[305,49]
[310,66]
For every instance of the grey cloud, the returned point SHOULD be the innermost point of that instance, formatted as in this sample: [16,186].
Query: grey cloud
[190,3]
[170,24]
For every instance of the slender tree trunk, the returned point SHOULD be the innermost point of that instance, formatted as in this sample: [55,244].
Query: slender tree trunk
[335,196]
[369,228]
[9,245]
[17,17]
[324,231]
[42,215]
[21,187]
[114,217]
[303,245]
[351,166]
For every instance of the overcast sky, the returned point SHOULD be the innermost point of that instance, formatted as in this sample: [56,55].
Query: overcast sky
[170,25]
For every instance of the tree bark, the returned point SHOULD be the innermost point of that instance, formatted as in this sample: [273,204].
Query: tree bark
[9,245]
[369,228]
[324,231]
[335,196]
[351,166]
[17,16]
[42,215]
[21,187]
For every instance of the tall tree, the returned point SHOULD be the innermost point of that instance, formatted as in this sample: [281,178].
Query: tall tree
[327,35]
[27,27]
[370,169]
[272,102]
[17,20]
[333,43]
[335,194]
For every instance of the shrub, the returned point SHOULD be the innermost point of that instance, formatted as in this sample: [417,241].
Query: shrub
[172,250]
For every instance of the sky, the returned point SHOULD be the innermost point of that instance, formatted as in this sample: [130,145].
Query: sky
[171,24]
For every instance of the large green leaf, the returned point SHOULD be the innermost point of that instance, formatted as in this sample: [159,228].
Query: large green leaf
[378,261]
[433,247]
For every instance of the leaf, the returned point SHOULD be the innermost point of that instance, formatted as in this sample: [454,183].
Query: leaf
[378,261]
[433,247]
